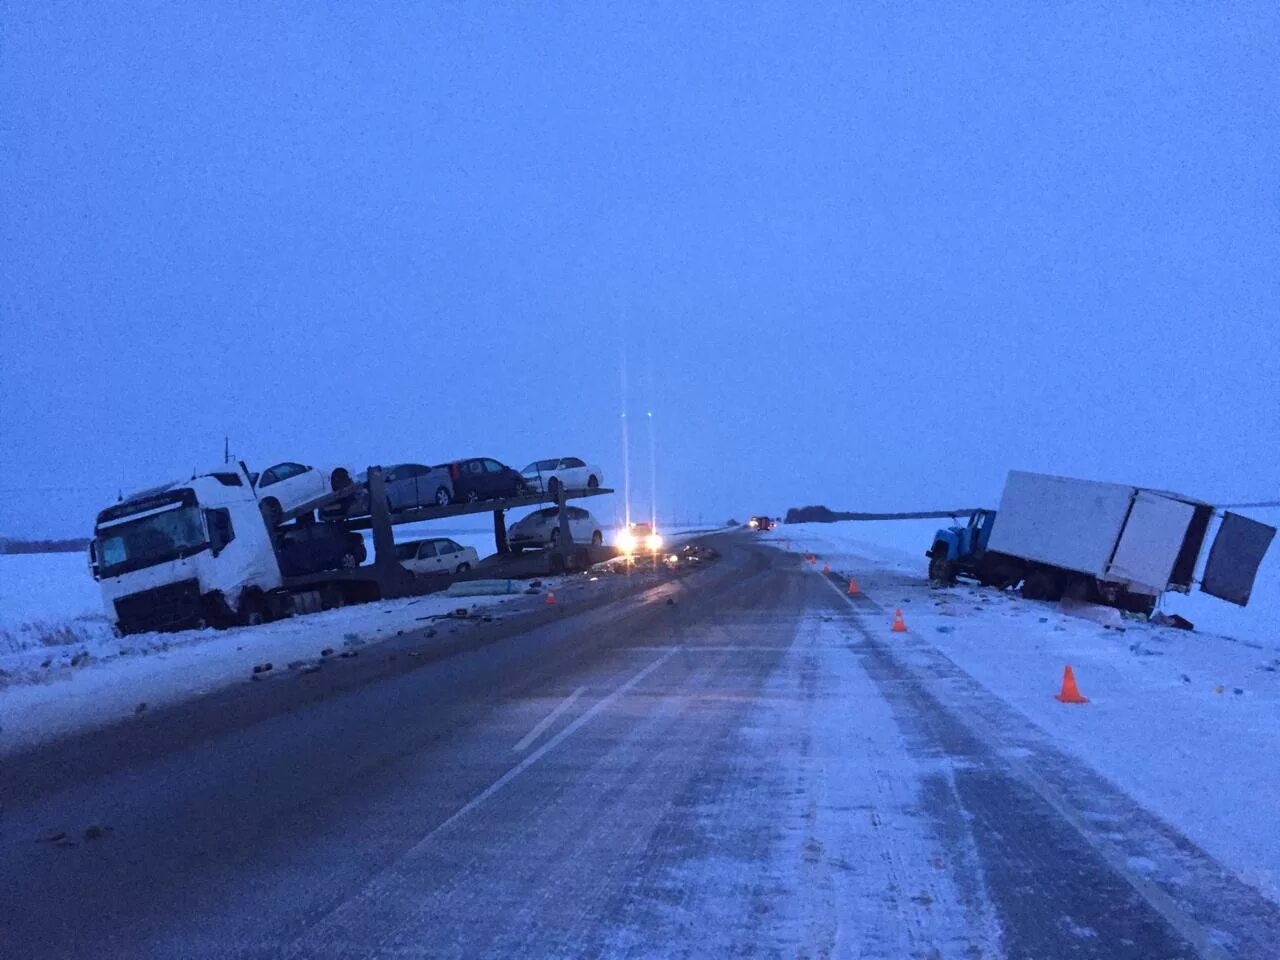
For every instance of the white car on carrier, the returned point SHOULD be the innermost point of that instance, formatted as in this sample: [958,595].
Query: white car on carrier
[437,555]
[542,529]
[572,473]
[286,486]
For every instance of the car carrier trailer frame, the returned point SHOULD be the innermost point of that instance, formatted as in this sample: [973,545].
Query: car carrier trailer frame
[385,578]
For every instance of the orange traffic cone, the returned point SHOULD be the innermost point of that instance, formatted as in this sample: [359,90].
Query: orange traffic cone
[826,568]
[853,586]
[898,625]
[812,558]
[1070,693]
[551,598]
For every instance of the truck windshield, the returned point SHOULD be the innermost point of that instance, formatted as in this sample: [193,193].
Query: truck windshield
[149,540]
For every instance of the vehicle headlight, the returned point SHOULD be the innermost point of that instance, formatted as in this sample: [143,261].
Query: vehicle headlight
[653,542]
[626,541]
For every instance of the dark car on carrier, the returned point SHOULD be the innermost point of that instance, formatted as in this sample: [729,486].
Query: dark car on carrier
[316,547]
[483,478]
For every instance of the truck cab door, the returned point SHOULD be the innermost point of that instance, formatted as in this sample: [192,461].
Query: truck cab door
[1234,558]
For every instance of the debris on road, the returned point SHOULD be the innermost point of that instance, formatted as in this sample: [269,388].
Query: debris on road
[483,588]
[1172,620]
[1107,616]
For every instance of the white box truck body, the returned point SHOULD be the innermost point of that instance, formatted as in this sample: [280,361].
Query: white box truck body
[1114,542]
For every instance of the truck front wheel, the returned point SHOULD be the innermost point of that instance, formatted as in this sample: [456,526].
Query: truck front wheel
[941,567]
[252,611]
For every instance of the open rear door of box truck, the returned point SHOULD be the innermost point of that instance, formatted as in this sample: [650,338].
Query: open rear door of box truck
[1233,561]
[1149,545]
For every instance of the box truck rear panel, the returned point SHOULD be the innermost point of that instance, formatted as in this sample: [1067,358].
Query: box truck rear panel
[1151,541]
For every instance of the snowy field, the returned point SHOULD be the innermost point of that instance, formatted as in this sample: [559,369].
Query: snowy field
[1185,722]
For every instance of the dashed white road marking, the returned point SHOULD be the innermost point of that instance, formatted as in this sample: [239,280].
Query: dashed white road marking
[548,720]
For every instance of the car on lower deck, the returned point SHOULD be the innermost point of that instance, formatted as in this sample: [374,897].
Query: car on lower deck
[316,547]
[542,528]
[572,473]
[483,478]
[436,555]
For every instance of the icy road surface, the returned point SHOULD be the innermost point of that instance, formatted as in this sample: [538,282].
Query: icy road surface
[759,768]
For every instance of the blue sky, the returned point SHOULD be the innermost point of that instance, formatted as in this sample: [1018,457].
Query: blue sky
[868,255]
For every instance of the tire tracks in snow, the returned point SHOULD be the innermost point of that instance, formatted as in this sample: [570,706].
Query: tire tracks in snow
[1058,841]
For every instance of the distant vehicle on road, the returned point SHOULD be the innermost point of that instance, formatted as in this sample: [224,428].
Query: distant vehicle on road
[483,478]
[760,523]
[316,547]
[547,476]
[639,538]
[437,555]
[284,486]
[408,486]
[542,528]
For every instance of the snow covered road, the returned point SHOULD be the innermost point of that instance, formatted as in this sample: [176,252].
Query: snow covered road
[757,767]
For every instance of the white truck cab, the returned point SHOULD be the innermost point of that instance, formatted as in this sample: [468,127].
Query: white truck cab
[191,553]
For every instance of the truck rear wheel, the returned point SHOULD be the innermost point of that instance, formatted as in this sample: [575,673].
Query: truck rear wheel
[331,597]
[1042,585]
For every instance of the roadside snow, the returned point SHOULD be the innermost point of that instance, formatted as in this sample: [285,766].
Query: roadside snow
[63,669]
[1184,722]
[160,669]
[52,617]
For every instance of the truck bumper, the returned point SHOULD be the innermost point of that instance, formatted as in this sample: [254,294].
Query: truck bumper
[174,606]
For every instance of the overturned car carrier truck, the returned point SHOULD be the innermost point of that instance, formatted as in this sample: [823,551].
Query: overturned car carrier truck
[200,552]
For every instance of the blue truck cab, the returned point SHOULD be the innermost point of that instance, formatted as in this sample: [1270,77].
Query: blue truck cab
[959,550]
